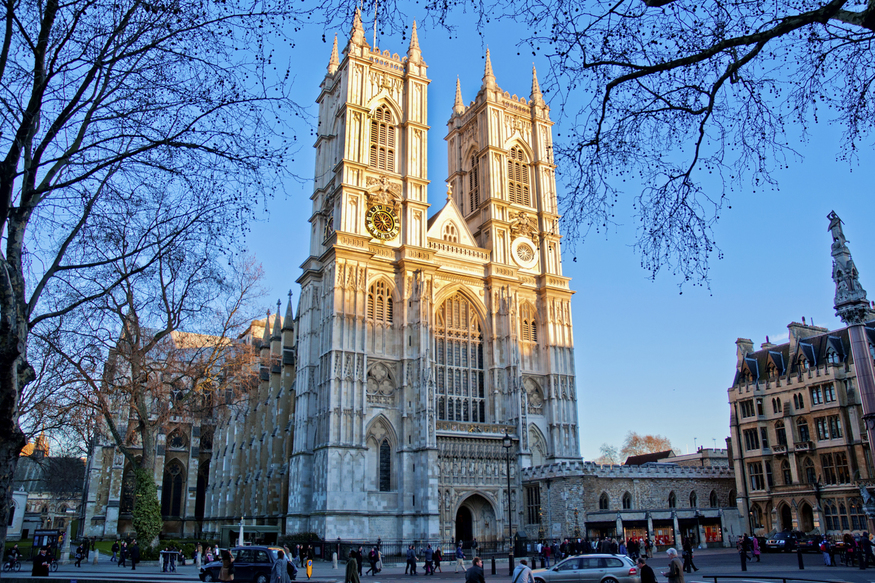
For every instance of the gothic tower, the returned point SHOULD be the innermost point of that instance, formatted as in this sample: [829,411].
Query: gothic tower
[431,351]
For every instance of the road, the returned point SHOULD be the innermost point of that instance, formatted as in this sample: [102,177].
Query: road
[710,562]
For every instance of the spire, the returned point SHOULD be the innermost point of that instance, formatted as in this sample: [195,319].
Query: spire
[334,62]
[290,315]
[458,106]
[537,98]
[277,329]
[414,55]
[265,338]
[488,76]
[357,36]
[850,303]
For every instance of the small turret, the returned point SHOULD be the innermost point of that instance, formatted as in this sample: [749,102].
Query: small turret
[488,75]
[265,338]
[357,40]
[277,327]
[334,61]
[458,106]
[537,98]
[414,55]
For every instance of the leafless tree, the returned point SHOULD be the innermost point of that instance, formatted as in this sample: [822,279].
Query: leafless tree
[131,112]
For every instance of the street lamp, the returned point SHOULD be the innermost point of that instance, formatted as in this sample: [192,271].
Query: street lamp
[508,442]
[540,525]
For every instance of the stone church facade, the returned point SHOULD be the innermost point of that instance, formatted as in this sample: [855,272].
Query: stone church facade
[422,342]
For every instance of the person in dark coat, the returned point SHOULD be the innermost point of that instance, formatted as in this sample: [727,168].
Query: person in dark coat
[123,555]
[352,569]
[134,551]
[865,550]
[41,564]
[647,574]
[475,573]
[80,554]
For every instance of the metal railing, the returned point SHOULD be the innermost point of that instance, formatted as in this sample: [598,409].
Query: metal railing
[783,579]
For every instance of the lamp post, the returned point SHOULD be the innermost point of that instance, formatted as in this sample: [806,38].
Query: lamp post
[508,442]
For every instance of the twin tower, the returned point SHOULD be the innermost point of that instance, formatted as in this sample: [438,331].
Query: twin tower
[429,350]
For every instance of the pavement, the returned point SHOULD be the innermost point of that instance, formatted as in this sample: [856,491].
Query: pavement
[715,565]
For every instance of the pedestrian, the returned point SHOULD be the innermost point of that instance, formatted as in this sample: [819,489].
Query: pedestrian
[645,571]
[226,573]
[123,554]
[474,546]
[475,573]
[429,560]
[198,557]
[742,552]
[134,551]
[41,563]
[352,570]
[359,559]
[522,573]
[689,567]
[411,561]
[279,571]
[115,549]
[865,550]
[460,558]
[648,548]
[675,573]
[173,553]
[80,554]
[755,545]
[437,560]
[824,549]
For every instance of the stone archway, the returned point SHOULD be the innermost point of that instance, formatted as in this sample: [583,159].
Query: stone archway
[806,517]
[476,518]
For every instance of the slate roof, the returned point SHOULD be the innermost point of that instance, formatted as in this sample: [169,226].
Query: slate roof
[816,350]
[637,460]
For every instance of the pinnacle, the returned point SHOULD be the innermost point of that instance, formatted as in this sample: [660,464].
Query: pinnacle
[265,338]
[458,106]
[276,321]
[536,89]
[290,315]
[414,38]
[488,75]
[357,37]
[414,55]
[334,61]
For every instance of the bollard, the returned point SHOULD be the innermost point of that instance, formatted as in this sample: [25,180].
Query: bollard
[799,557]
[493,564]
[96,554]
[334,559]
[510,564]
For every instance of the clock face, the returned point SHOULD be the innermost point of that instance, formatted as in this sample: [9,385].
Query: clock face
[382,223]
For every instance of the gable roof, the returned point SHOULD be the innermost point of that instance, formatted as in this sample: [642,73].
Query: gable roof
[450,213]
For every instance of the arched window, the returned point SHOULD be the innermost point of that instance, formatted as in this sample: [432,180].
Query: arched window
[712,500]
[206,439]
[385,468]
[528,323]
[627,501]
[474,184]
[382,140]
[518,177]
[780,433]
[126,504]
[380,303]
[694,500]
[672,500]
[604,501]
[785,473]
[459,361]
[172,489]
[757,515]
[450,233]
[802,428]
[808,468]
[733,498]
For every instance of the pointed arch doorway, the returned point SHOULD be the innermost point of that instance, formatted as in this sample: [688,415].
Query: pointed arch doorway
[475,518]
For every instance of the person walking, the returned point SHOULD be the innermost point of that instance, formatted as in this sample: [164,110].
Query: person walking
[675,573]
[755,545]
[865,550]
[689,567]
[429,560]
[460,558]
[134,551]
[352,569]
[123,554]
[41,563]
[646,571]
[475,573]
[522,573]
[80,554]
[410,568]
[824,549]
[198,557]
[437,560]
[226,573]
[279,571]
[742,551]
[115,549]
[359,559]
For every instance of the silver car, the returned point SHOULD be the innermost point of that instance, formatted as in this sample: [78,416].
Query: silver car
[590,569]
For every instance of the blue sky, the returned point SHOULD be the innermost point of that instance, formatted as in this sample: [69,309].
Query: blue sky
[648,359]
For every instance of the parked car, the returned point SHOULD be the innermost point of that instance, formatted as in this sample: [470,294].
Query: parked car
[783,541]
[590,569]
[808,544]
[250,564]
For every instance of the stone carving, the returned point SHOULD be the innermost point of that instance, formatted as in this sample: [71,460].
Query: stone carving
[850,303]
[381,388]
[535,397]
[383,191]
[522,225]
